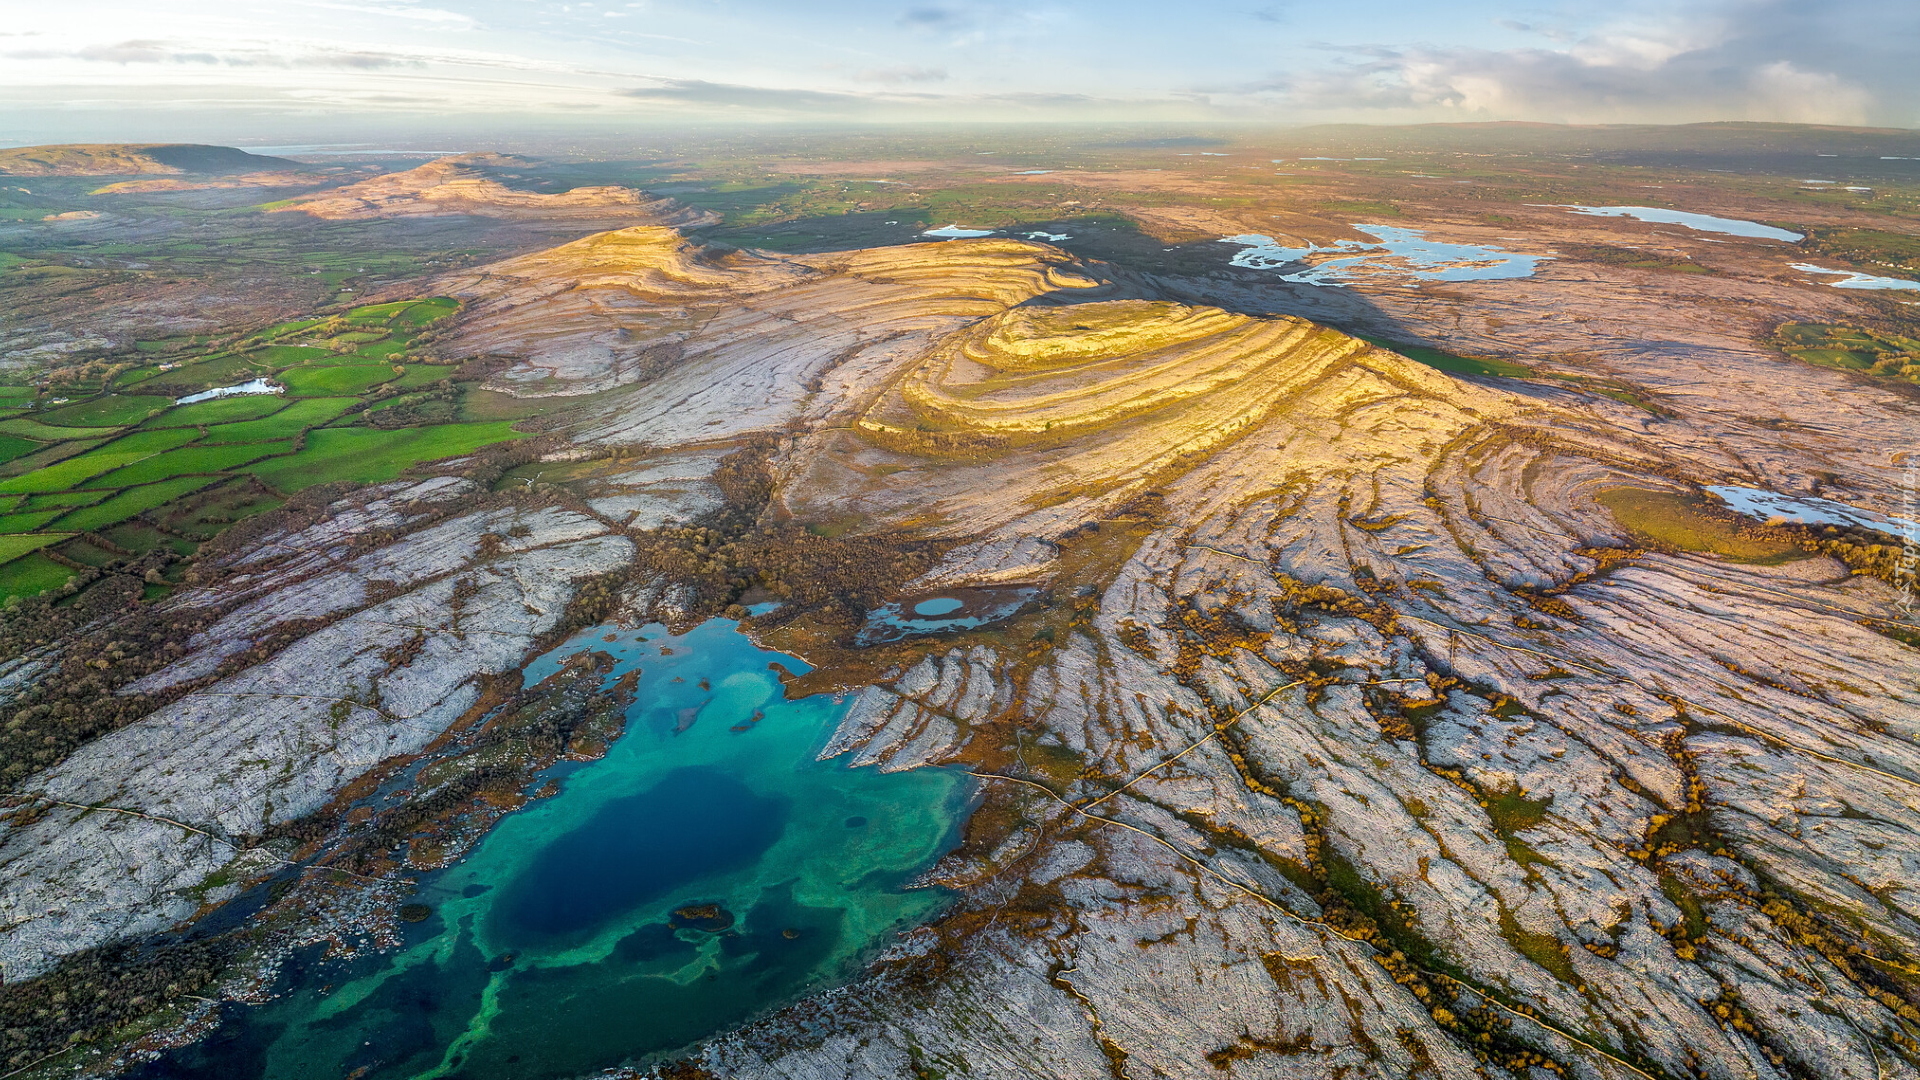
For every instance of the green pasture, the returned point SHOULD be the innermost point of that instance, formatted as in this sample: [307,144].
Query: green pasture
[302,414]
[224,410]
[191,460]
[336,381]
[369,455]
[138,473]
[15,545]
[32,575]
[120,452]
[112,410]
[133,501]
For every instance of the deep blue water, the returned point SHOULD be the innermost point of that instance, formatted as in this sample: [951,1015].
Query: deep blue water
[709,868]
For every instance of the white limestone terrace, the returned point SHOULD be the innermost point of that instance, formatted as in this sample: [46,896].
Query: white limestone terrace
[276,741]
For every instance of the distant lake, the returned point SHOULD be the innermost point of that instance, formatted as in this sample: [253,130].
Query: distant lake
[1853,279]
[1696,222]
[1394,252]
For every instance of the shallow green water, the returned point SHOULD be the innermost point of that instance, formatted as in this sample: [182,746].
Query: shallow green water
[554,949]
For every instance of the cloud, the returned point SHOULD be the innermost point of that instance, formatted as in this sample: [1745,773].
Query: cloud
[142,51]
[736,96]
[934,18]
[1841,62]
[903,73]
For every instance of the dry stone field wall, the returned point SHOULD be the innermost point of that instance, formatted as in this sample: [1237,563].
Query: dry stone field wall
[1369,742]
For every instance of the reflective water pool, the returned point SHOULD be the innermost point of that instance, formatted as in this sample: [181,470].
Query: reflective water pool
[1395,253]
[706,870]
[1696,222]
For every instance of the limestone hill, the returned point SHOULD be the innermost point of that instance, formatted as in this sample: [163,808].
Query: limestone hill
[134,159]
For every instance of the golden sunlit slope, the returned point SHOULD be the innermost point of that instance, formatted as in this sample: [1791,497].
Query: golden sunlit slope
[132,159]
[466,184]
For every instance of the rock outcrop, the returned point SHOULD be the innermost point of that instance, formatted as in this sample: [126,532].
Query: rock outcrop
[466,184]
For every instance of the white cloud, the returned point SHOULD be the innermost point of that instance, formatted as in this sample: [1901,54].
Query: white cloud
[1749,60]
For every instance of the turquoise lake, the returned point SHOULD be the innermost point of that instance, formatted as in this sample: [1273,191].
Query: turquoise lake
[554,948]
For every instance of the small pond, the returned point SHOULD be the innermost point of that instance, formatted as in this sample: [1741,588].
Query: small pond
[1806,509]
[251,386]
[939,613]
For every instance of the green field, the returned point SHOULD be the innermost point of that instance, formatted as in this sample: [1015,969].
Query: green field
[189,471]
[27,521]
[336,381]
[113,410]
[286,355]
[16,545]
[31,576]
[368,456]
[223,369]
[224,410]
[123,451]
[134,501]
[12,446]
[295,418]
[1848,348]
[191,460]
[33,429]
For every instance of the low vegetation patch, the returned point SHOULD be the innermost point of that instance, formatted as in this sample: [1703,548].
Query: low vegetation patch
[1678,522]
[1888,356]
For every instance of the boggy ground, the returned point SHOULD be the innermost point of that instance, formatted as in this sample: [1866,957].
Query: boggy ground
[1354,730]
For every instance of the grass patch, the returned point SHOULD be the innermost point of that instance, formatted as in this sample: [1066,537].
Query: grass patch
[483,405]
[383,351]
[17,544]
[27,521]
[223,369]
[1682,522]
[114,410]
[212,511]
[1545,950]
[219,411]
[86,554]
[140,538]
[295,418]
[1448,362]
[116,454]
[64,500]
[336,381]
[12,446]
[48,455]
[287,355]
[189,460]
[419,375]
[33,429]
[1849,348]
[369,456]
[133,502]
[32,575]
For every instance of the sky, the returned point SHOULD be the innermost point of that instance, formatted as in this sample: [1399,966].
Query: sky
[230,69]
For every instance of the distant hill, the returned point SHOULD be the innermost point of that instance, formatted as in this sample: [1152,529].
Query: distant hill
[133,159]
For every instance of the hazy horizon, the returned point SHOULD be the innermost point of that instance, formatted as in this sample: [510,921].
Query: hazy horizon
[315,70]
